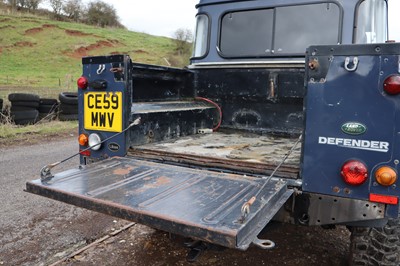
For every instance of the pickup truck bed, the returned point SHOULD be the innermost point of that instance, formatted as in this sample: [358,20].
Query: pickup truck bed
[239,152]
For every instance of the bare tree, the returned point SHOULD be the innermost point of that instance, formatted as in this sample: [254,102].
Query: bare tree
[183,39]
[73,9]
[32,4]
[102,14]
[21,3]
[56,5]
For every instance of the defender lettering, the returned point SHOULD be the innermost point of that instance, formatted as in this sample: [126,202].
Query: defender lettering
[371,145]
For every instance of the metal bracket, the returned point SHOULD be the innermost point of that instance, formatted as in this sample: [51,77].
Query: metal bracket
[245,210]
[351,66]
[101,69]
[45,172]
[264,243]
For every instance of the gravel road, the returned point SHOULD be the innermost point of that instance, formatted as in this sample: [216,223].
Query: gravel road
[38,231]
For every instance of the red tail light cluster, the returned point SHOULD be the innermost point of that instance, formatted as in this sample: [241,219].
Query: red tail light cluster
[354,173]
[83,83]
[391,85]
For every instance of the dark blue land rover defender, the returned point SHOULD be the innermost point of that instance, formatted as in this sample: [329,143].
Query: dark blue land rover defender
[288,111]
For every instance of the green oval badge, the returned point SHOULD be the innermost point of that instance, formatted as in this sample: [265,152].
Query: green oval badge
[354,128]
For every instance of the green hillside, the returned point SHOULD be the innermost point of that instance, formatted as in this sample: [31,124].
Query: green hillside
[44,56]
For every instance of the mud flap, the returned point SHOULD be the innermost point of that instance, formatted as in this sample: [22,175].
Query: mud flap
[194,203]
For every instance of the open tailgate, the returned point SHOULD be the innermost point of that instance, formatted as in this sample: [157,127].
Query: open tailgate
[201,204]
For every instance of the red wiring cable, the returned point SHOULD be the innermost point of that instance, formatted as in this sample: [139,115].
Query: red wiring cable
[219,111]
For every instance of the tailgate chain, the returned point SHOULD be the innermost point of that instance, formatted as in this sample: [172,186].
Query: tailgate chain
[245,210]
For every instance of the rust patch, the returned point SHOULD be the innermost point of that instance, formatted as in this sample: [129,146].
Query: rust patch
[33,31]
[162,180]
[123,171]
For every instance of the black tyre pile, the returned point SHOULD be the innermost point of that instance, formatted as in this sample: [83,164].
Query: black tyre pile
[29,108]
[48,108]
[68,106]
[24,108]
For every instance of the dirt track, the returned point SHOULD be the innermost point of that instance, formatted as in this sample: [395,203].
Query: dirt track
[39,231]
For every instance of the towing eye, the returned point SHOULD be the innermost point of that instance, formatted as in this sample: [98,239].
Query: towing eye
[45,172]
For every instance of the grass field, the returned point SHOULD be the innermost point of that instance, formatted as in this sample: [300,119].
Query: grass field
[43,56]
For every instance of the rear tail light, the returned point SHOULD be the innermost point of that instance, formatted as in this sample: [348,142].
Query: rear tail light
[386,176]
[354,172]
[83,83]
[391,85]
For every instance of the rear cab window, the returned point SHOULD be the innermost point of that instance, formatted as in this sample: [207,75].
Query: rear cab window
[279,31]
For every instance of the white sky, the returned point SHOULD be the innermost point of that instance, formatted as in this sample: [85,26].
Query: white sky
[156,17]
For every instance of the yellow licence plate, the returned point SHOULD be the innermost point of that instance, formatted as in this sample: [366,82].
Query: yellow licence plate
[103,111]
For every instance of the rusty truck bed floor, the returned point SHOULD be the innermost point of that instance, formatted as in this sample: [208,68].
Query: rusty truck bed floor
[240,152]
[202,204]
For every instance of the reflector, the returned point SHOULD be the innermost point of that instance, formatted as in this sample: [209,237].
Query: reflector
[354,172]
[85,153]
[384,199]
[391,85]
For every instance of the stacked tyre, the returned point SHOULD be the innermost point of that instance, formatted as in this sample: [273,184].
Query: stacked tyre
[48,108]
[68,106]
[24,108]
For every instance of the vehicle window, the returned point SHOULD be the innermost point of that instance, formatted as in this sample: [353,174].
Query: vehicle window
[247,33]
[201,36]
[284,30]
[297,27]
[371,22]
